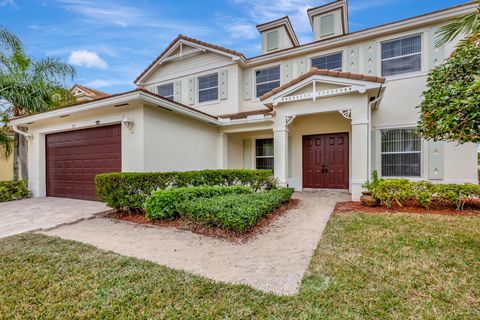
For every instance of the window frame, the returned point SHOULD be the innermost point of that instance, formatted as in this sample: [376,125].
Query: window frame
[324,34]
[266,68]
[198,88]
[255,139]
[326,55]
[173,90]
[421,54]
[420,176]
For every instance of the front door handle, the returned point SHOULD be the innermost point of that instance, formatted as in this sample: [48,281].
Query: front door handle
[324,169]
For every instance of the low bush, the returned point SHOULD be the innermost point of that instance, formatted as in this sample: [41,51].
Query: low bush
[400,191]
[128,191]
[13,190]
[237,213]
[163,204]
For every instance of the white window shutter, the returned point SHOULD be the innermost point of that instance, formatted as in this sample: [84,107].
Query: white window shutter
[177,91]
[191,91]
[247,85]
[301,66]
[370,58]
[247,153]
[223,85]
[435,160]
[286,71]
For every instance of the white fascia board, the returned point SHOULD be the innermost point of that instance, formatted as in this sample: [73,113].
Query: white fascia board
[108,102]
[225,122]
[87,106]
[374,32]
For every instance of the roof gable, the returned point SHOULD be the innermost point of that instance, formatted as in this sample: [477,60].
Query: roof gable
[183,46]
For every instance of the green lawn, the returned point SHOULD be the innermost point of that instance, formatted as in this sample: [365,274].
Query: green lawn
[366,266]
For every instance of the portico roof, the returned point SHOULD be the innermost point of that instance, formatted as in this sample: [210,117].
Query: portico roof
[352,82]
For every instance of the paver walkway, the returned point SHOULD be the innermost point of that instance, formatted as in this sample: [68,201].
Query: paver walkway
[274,261]
[44,213]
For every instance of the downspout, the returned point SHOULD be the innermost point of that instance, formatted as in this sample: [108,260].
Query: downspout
[369,142]
[27,136]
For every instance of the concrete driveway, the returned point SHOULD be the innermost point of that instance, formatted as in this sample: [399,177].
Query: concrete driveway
[44,213]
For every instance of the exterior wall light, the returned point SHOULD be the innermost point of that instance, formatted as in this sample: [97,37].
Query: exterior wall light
[127,123]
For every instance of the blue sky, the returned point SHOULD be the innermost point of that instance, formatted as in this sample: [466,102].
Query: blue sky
[111,42]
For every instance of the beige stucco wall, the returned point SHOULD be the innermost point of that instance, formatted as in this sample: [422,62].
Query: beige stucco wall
[174,142]
[6,167]
[193,67]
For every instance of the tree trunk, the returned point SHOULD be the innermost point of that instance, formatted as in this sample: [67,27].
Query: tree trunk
[16,161]
[23,153]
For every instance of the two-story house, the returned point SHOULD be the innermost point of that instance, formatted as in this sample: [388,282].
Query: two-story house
[323,114]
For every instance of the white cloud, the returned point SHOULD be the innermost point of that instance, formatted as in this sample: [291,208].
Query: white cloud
[88,59]
[242,30]
[4,3]
[101,83]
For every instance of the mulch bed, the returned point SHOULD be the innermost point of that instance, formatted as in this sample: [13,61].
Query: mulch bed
[184,224]
[471,208]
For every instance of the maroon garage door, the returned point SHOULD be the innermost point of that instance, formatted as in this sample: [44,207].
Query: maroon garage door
[75,157]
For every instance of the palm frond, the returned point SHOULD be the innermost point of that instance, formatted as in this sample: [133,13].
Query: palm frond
[465,26]
[6,144]
[9,40]
[52,69]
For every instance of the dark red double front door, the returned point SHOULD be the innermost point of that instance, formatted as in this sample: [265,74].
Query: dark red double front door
[325,161]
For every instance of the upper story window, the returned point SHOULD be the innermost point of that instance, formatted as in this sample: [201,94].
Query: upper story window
[266,80]
[208,88]
[402,56]
[330,62]
[166,90]
[401,153]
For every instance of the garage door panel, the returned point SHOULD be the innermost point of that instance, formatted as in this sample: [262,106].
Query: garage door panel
[74,158]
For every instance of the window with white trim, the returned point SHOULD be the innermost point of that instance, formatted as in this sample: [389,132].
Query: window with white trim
[329,61]
[166,90]
[208,88]
[402,56]
[401,153]
[264,154]
[266,80]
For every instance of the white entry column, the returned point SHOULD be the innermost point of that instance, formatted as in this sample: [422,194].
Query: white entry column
[360,149]
[222,157]
[280,152]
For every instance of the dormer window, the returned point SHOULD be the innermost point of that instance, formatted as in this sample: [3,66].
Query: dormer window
[166,90]
[266,80]
[272,40]
[327,25]
[330,62]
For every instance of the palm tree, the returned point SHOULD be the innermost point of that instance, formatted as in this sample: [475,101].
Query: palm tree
[29,86]
[467,25]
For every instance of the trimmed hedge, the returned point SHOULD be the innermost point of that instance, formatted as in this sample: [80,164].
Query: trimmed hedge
[237,213]
[163,204]
[399,191]
[13,190]
[128,191]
